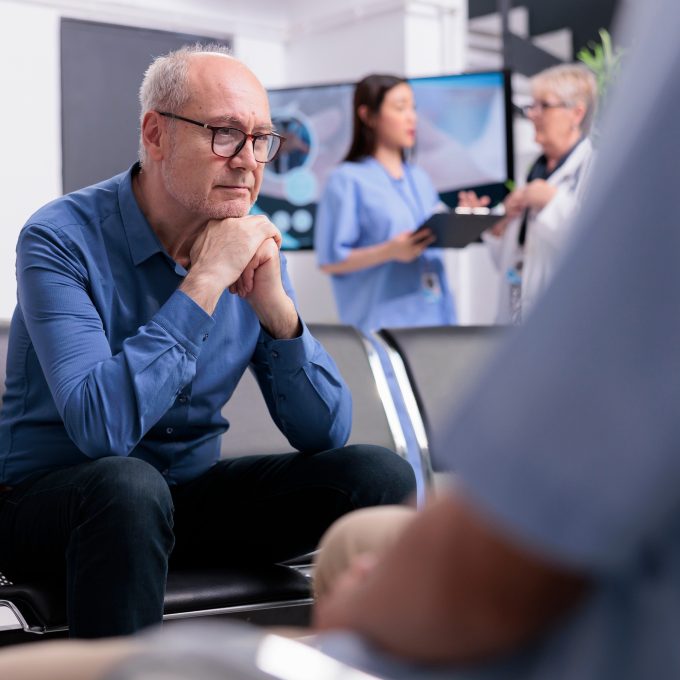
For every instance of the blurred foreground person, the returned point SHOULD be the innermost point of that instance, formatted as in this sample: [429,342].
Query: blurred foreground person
[557,555]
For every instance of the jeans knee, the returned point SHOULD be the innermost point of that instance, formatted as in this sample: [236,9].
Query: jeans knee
[129,491]
[380,476]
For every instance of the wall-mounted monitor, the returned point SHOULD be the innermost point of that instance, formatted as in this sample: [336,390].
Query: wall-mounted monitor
[464,142]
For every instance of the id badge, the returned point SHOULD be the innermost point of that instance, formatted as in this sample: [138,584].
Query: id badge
[431,287]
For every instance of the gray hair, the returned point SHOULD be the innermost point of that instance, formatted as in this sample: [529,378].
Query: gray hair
[165,85]
[573,84]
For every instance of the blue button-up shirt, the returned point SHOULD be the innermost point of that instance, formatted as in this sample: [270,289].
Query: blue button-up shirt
[107,357]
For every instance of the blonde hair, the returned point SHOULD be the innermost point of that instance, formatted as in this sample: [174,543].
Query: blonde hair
[165,85]
[573,84]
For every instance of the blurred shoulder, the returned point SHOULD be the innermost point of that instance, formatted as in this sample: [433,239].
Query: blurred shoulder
[353,170]
[418,173]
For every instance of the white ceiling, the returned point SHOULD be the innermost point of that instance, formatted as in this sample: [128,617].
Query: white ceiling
[287,10]
[263,18]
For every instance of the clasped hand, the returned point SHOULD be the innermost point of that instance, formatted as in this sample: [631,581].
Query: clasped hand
[240,254]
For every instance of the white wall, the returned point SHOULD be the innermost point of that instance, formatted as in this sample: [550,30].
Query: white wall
[348,50]
[30,126]
[435,37]
[267,58]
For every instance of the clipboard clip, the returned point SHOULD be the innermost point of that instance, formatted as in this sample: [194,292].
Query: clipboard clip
[472,211]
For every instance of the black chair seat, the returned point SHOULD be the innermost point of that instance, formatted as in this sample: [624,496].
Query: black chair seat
[218,588]
[43,605]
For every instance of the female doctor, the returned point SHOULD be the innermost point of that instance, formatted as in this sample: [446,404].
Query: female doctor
[367,217]
[527,243]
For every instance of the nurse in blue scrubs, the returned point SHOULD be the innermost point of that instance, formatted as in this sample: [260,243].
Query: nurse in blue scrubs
[383,274]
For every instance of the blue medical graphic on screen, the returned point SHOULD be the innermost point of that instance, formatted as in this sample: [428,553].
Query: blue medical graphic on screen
[464,141]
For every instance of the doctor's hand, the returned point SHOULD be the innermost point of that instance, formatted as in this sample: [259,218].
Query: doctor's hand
[515,203]
[409,245]
[538,194]
[469,199]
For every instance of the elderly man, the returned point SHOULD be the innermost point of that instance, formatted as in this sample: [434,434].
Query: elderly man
[142,300]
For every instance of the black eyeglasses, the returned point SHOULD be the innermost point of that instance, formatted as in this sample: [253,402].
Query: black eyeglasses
[541,106]
[228,141]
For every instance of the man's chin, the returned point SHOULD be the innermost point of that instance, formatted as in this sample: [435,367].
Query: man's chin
[230,209]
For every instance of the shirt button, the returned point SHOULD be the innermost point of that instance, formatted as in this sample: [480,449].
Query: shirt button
[165,473]
[205,336]
[183,399]
[169,430]
[282,397]
[275,354]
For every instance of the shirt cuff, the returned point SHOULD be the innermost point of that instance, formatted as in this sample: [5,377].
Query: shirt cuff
[186,321]
[286,353]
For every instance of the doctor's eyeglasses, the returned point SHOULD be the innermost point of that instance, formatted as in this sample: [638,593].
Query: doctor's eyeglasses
[541,106]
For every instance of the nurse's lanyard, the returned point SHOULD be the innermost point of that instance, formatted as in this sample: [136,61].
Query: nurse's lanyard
[431,285]
[414,204]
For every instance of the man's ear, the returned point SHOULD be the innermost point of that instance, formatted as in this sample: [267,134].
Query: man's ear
[153,131]
[365,116]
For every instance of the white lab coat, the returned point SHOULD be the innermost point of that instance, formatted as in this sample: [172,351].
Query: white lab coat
[547,231]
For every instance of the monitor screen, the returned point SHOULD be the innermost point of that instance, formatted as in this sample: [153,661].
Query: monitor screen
[464,142]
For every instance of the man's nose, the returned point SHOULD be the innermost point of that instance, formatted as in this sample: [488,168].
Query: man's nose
[245,158]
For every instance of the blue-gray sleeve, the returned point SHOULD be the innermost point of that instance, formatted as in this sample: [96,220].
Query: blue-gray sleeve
[571,441]
[107,402]
[337,229]
[304,391]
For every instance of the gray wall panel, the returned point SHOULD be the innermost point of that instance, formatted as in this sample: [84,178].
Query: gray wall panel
[101,69]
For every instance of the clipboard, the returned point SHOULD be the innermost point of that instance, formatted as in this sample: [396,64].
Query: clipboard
[460,227]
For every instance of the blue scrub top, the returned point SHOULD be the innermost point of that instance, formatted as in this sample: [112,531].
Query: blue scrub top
[362,205]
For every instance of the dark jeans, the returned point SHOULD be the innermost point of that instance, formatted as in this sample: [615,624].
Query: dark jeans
[107,525]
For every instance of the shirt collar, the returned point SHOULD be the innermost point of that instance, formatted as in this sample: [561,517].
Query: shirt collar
[540,168]
[142,240]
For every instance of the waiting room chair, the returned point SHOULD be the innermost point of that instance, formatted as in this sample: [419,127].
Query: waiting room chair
[435,367]
[270,594]
[374,418]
